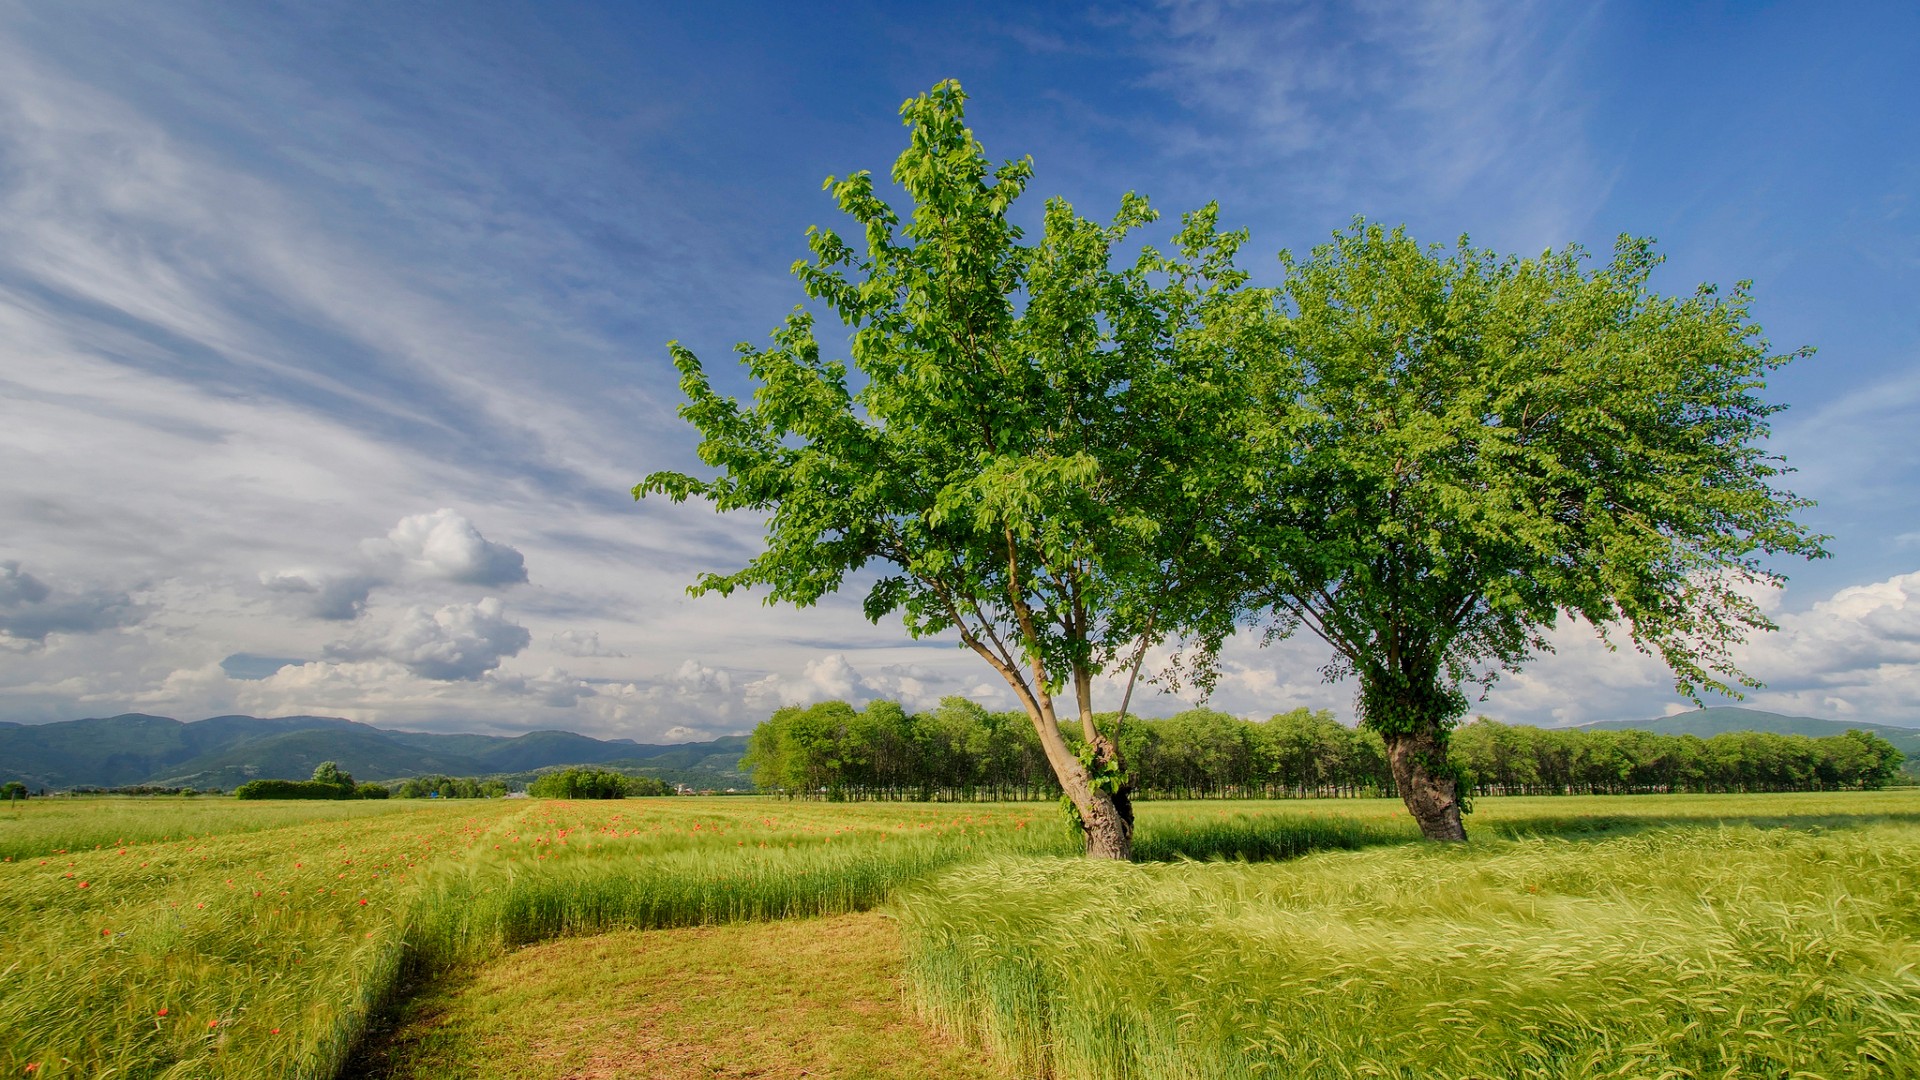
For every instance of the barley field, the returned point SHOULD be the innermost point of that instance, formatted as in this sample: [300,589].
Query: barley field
[1744,937]
[1683,936]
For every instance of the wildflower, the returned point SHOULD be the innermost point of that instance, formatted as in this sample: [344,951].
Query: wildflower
[275,1031]
[83,884]
[363,901]
[213,1024]
[162,1012]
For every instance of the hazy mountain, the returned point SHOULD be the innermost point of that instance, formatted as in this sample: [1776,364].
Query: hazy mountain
[1707,723]
[224,751]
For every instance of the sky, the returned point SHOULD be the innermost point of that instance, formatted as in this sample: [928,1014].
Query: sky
[333,335]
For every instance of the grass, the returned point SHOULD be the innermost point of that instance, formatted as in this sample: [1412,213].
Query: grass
[265,953]
[42,827]
[800,997]
[271,935]
[1657,949]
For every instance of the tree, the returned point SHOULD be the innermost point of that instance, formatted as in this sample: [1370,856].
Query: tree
[1030,448]
[330,773]
[578,783]
[13,791]
[1459,450]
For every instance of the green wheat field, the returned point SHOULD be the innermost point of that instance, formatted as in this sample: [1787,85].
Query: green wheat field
[1632,936]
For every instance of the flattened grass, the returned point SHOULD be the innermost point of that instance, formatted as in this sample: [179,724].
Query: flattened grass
[803,997]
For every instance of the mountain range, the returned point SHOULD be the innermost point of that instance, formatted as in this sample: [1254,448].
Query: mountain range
[1707,723]
[226,751]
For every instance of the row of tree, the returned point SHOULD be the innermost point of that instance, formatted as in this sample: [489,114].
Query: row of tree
[440,786]
[963,751]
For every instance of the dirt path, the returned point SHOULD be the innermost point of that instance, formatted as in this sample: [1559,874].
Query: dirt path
[798,998]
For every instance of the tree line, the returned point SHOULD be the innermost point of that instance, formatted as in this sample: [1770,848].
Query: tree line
[329,781]
[962,751]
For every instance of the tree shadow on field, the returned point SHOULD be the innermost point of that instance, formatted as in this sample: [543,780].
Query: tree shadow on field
[1603,826]
[1245,837]
[1254,837]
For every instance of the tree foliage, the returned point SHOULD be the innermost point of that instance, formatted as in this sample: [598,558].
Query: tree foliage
[1028,449]
[1459,449]
[590,783]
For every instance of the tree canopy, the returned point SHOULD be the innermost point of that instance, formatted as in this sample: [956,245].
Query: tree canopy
[1029,448]
[1458,449]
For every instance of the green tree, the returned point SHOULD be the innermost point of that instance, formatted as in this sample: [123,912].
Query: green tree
[1459,450]
[329,772]
[13,791]
[577,783]
[1030,447]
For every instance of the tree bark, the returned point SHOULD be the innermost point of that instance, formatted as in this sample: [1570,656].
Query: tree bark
[1108,820]
[1418,760]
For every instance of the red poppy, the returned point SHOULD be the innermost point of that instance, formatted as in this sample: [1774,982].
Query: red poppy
[162,1012]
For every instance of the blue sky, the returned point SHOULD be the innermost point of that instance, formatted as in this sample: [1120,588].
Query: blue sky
[332,335]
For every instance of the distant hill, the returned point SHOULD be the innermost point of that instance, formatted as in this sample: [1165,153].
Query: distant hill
[1707,723]
[226,751]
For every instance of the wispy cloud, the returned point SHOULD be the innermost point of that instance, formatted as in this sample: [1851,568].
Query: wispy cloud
[1384,108]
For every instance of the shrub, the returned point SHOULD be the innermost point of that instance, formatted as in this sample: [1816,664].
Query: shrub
[290,789]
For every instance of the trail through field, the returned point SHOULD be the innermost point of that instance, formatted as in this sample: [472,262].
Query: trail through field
[796,998]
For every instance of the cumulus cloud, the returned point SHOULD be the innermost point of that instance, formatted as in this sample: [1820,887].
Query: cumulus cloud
[441,546]
[336,597]
[1856,653]
[454,643]
[445,545]
[553,687]
[30,609]
[582,643]
[833,677]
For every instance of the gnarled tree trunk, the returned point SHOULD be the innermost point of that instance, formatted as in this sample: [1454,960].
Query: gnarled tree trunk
[1419,763]
[1108,821]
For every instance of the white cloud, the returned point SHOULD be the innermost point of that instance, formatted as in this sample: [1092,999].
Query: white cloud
[553,687]
[456,642]
[441,546]
[582,643]
[336,597]
[445,545]
[30,609]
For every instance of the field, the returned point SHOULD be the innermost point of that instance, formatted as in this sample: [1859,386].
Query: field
[1635,936]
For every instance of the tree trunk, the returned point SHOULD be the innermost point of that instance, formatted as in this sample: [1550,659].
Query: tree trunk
[1108,821]
[1418,760]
